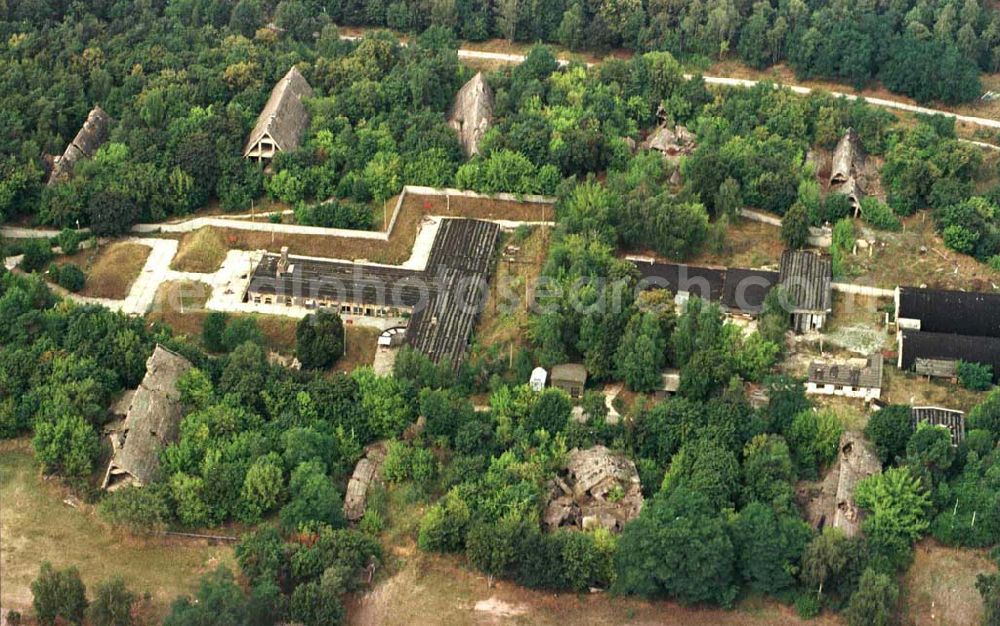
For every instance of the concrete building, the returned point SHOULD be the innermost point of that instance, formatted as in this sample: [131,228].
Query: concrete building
[851,380]
[571,378]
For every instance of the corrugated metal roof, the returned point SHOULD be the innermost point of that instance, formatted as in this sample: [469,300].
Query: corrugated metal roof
[807,278]
[959,312]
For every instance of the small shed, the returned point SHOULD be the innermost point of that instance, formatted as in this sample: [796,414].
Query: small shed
[472,113]
[152,423]
[670,382]
[570,377]
[538,378]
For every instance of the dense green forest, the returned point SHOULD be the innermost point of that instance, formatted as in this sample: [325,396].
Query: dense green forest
[269,447]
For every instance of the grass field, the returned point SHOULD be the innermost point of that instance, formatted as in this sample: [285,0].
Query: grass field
[202,251]
[36,526]
[400,244]
[360,349]
[180,305]
[110,269]
[940,586]
[433,590]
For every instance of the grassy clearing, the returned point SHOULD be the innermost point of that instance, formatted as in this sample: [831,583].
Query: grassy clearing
[438,590]
[36,526]
[400,244]
[897,260]
[114,271]
[748,244]
[939,588]
[202,251]
[506,321]
[908,388]
[360,349]
[110,269]
[181,306]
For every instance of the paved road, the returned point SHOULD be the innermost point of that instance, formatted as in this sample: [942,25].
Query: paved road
[464,53]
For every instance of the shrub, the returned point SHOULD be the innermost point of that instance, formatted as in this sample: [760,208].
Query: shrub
[807,606]
[405,462]
[239,331]
[212,331]
[37,254]
[69,241]
[112,604]
[58,594]
[879,215]
[136,510]
[975,376]
[71,277]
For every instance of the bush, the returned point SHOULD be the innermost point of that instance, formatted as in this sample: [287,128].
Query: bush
[975,376]
[212,331]
[319,340]
[807,606]
[879,215]
[136,510]
[37,254]
[58,594]
[69,241]
[405,462]
[239,331]
[71,277]
[112,604]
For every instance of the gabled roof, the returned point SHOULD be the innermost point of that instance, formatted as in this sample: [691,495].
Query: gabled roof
[844,158]
[152,423]
[958,312]
[472,113]
[91,136]
[284,118]
[868,376]
[807,279]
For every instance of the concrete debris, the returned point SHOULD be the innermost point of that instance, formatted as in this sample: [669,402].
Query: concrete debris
[599,488]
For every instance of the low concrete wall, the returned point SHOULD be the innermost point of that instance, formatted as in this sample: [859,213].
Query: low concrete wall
[863,290]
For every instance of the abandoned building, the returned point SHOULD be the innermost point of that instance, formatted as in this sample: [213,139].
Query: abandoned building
[738,291]
[670,384]
[570,377]
[92,135]
[845,172]
[151,424]
[951,419]
[830,502]
[852,379]
[599,488]
[442,302]
[807,278]
[283,120]
[366,473]
[856,461]
[937,328]
[672,143]
[344,287]
[472,113]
